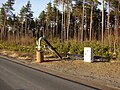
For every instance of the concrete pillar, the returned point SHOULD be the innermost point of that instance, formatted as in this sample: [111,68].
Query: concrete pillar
[39,55]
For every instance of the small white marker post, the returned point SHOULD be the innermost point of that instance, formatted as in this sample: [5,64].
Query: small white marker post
[88,54]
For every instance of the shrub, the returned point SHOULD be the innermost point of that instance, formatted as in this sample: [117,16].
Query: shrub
[71,47]
[62,47]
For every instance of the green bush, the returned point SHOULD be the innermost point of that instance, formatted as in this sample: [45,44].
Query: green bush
[62,47]
[118,52]
[66,47]
[15,47]
[77,48]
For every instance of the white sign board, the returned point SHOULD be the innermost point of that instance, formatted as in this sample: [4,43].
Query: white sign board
[88,54]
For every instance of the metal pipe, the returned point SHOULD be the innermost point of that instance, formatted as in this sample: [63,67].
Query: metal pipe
[40,46]
[39,41]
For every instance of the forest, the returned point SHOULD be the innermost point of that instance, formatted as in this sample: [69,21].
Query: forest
[77,24]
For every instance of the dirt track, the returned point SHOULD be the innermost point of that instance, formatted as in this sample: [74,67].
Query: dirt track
[107,73]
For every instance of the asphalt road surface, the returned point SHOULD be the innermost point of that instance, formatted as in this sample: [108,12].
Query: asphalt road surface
[18,77]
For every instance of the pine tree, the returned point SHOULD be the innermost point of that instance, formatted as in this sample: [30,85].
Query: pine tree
[93,3]
[49,14]
[7,12]
[25,17]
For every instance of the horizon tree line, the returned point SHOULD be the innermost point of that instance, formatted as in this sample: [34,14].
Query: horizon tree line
[79,20]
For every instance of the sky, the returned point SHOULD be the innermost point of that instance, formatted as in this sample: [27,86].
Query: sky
[37,5]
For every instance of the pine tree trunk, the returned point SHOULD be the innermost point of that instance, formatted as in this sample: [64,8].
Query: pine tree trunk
[91,21]
[102,21]
[62,28]
[82,32]
[3,34]
[57,24]
[25,28]
[108,26]
[116,25]
[75,32]
[68,26]
[65,31]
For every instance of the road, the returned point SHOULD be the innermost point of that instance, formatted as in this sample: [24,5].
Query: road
[14,76]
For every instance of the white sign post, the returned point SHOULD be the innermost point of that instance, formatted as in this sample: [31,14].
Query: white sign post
[88,54]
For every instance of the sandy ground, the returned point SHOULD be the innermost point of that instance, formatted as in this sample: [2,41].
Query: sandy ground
[107,73]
